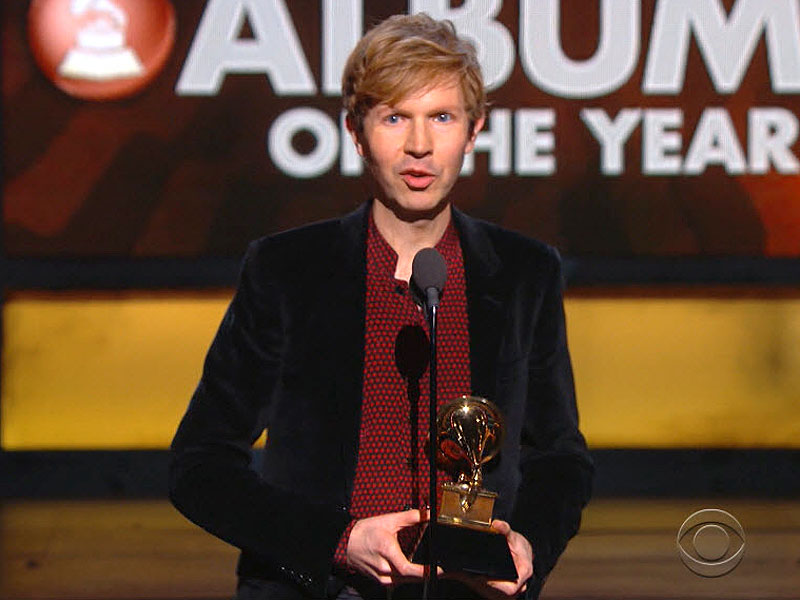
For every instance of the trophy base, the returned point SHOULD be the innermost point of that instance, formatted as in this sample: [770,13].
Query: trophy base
[470,550]
[477,516]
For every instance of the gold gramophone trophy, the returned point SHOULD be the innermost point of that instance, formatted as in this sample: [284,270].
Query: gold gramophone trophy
[469,434]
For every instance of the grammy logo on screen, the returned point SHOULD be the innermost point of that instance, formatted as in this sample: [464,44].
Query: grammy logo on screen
[100,52]
[101,49]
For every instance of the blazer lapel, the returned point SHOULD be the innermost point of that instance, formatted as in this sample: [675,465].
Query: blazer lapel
[346,310]
[485,299]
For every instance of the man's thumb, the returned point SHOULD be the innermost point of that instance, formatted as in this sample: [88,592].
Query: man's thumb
[411,517]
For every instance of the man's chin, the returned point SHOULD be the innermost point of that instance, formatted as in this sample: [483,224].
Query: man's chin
[415,211]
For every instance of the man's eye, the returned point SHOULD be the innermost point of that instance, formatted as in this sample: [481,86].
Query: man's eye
[392,119]
[444,117]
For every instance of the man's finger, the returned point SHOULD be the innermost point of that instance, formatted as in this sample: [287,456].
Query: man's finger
[504,587]
[411,517]
[501,527]
[525,572]
[401,565]
[383,567]
[412,571]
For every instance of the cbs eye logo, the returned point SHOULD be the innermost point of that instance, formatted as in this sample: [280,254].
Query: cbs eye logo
[711,542]
[101,49]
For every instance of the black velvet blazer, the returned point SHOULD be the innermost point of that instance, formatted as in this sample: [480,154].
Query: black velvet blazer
[288,357]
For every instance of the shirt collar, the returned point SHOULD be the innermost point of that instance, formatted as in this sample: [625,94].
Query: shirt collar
[382,259]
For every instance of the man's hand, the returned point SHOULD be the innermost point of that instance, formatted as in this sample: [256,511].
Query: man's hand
[521,552]
[373,549]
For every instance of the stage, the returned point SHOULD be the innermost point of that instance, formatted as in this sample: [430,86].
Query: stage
[143,549]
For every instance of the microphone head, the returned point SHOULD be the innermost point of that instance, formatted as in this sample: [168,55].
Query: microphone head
[429,272]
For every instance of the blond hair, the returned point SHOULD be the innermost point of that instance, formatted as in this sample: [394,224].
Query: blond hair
[405,54]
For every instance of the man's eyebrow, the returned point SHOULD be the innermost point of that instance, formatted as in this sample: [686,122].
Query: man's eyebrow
[387,109]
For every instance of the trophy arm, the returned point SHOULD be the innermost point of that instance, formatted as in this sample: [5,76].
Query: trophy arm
[470,488]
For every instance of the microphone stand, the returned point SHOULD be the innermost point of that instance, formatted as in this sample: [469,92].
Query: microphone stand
[431,581]
[429,274]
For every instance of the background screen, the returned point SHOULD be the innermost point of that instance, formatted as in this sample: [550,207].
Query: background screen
[616,129]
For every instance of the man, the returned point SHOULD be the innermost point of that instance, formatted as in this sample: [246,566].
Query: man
[320,346]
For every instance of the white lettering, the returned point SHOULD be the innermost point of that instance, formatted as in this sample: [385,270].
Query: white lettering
[496,141]
[715,142]
[533,141]
[289,160]
[726,43]
[475,21]
[659,139]
[772,133]
[549,68]
[342,24]
[612,135]
[217,51]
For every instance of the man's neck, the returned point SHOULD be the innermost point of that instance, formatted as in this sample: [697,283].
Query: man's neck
[409,237]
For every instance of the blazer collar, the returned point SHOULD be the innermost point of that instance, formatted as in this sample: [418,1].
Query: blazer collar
[477,247]
[486,298]
[352,244]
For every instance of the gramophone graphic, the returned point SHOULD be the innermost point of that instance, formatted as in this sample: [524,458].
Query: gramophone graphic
[100,52]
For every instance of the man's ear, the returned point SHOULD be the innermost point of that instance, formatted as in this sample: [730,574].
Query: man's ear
[355,134]
[476,127]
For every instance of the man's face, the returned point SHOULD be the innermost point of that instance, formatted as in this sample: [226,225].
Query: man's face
[415,148]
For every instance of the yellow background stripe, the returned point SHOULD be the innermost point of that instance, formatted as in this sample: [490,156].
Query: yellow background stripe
[115,371]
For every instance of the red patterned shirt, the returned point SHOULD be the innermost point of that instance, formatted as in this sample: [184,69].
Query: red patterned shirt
[392,467]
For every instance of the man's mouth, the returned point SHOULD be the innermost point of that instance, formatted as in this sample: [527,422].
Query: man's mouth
[417,179]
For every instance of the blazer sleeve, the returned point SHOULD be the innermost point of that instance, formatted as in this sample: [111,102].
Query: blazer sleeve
[556,468]
[211,481]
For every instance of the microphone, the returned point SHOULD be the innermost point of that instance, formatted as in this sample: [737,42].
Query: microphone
[428,274]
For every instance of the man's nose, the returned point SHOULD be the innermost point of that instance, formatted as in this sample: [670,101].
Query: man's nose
[418,140]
